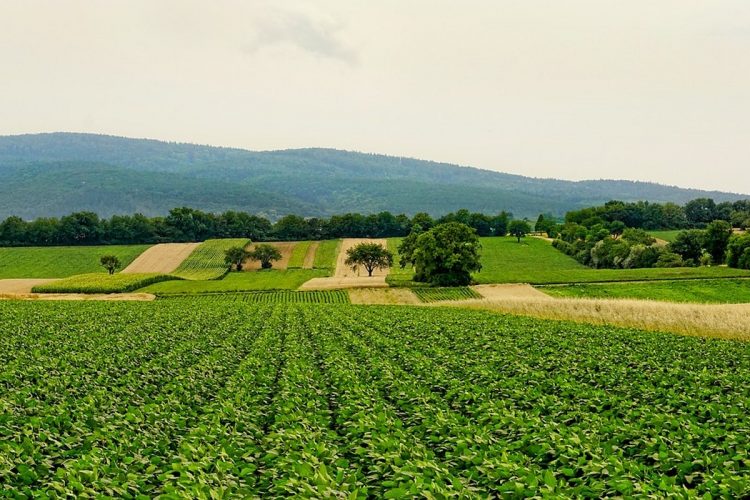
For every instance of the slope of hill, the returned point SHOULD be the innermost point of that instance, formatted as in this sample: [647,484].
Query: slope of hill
[54,174]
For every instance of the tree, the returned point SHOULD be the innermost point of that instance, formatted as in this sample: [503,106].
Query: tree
[616,228]
[371,256]
[716,239]
[689,245]
[738,252]
[110,262]
[519,228]
[700,211]
[266,254]
[445,255]
[235,257]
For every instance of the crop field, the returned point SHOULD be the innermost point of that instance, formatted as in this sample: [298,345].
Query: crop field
[274,297]
[207,260]
[61,262]
[271,279]
[725,291]
[426,294]
[195,399]
[297,260]
[325,257]
[102,283]
[536,261]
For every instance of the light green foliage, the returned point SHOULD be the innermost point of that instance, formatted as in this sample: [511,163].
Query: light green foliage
[102,283]
[206,399]
[60,262]
[272,297]
[438,294]
[207,260]
[729,291]
[272,279]
[325,257]
[297,259]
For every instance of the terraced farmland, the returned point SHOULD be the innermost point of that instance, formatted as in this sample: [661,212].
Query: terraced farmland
[207,260]
[195,399]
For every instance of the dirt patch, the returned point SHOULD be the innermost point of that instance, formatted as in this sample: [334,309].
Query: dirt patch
[138,297]
[285,247]
[382,296]
[309,261]
[163,258]
[14,286]
[344,271]
[509,291]
[336,283]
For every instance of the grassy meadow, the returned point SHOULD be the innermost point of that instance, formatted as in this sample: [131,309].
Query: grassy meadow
[325,257]
[61,262]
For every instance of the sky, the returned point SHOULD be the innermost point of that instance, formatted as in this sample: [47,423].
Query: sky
[655,90]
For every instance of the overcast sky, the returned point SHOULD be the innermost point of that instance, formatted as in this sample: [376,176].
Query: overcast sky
[653,90]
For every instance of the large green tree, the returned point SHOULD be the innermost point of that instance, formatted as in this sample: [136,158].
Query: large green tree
[235,257]
[266,254]
[371,256]
[445,255]
[716,239]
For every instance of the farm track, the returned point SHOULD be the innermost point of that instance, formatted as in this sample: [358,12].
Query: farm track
[21,286]
[163,258]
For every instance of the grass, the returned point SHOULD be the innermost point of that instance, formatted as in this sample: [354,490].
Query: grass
[273,279]
[325,257]
[427,294]
[666,235]
[724,291]
[275,297]
[61,262]
[207,260]
[535,261]
[102,283]
[298,254]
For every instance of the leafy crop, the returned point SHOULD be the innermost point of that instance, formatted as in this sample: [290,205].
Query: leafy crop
[102,283]
[207,260]
[185,398]
[275,297]
[437,294]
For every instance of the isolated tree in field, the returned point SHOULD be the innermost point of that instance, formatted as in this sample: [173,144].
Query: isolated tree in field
[110,262]
[234,257]
[519,228]
[266,254]
[371,256]
[445,255]
[716,239]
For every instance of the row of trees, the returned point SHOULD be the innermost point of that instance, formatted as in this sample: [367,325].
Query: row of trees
[188,224]
[697,213]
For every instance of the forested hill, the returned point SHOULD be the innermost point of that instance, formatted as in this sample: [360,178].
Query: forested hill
[55,174]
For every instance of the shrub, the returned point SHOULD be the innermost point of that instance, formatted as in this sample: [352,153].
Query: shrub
[669,259]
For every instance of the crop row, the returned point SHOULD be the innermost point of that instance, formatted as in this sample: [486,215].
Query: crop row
[427,294]
[206,262]
[208,398]
[102,283]
[271,296]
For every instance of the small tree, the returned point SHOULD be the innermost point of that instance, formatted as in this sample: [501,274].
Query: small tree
[519,228]
[266,254]
[371,256]
[110,262]
[234,257]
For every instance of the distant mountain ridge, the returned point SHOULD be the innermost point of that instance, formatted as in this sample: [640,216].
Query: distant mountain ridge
[57,173]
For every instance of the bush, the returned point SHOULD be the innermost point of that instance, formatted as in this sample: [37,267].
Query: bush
[738,252]
[669,259]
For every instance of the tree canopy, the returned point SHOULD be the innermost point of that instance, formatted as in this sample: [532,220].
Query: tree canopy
[371,256]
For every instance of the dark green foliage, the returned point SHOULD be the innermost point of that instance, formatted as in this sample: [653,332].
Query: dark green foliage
[371,256]
[689,245]
[110,262]
[716,239]
[266,254]
[234,257]
[738,251]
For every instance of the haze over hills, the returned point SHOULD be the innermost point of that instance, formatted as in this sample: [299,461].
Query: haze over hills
[58,173]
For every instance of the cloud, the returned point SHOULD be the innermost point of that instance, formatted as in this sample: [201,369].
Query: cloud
[309,33]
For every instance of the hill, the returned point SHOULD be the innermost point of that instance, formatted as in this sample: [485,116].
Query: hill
[57,173]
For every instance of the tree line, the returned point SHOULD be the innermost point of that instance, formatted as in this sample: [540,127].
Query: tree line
[188,224]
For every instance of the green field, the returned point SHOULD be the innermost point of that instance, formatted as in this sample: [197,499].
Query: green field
[724,291]
[102,283]
[440,294]
[271,279]
[199,399]
[535,261]
[207,260]
[272,297]
[325,257]
[61,262]
[298,254]
[666,235]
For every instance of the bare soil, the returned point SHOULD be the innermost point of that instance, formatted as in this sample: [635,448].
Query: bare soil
[13,286]
[344,271]
[163,258]
[285,247]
